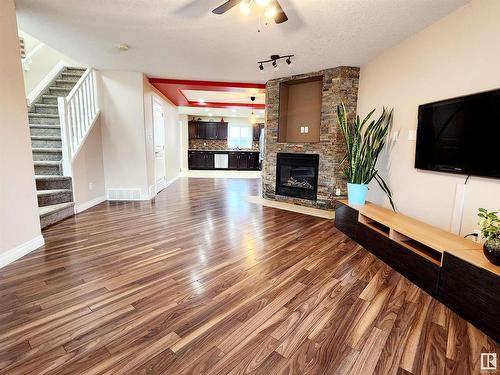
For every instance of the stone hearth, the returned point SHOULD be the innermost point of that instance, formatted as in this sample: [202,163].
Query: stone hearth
[339,84]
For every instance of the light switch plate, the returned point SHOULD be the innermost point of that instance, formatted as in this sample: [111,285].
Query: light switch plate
[306,129]
[412,135]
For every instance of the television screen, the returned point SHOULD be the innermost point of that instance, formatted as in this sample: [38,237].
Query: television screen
[460,135]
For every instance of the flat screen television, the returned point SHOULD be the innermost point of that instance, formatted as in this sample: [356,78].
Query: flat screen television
[460,135]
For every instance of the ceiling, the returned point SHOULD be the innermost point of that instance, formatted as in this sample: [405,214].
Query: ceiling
[211,93]
[221,112]
[182,39]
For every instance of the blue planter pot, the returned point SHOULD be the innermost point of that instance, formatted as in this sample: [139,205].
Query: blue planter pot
[356,193]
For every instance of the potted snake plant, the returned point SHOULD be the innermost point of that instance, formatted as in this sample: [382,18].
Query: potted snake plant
[364,140]
[490,230]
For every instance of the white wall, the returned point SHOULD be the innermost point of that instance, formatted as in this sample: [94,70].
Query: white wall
[88,171]
[172,133]
[19,220]
[123,132]
[458,55]
[43,60]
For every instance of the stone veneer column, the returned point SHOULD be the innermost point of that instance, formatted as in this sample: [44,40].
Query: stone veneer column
[339,85]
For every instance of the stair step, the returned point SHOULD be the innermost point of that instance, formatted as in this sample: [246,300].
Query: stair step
[45,130]
[46,108]
[59,91]
[72,74]
[43,118]
[47,167]
[52,182]
[75,69]
[65,83]
[52,197]
[49,99]
[47,154]
[55,213]
[46,141]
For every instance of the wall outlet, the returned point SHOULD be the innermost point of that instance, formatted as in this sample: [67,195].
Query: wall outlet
[395,135]
[337,191]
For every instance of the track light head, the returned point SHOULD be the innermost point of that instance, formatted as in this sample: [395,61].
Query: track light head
[261,67]
[289,61]
[275,65]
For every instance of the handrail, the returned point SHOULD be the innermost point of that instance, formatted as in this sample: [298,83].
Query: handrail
[78,113]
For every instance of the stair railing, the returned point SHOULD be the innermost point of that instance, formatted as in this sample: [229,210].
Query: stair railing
[78,113]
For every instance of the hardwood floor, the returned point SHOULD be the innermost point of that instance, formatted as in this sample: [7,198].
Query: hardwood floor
[201,281]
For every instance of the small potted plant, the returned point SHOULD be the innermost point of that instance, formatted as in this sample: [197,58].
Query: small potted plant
[490,230]
[364,141]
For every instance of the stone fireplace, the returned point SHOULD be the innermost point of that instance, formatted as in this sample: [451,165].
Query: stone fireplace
[291,184]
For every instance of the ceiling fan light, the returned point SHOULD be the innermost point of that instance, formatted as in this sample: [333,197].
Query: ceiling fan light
[245,8]
[271,12]
[262,3]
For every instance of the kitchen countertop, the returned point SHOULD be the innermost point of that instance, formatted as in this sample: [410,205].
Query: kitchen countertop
[230,150]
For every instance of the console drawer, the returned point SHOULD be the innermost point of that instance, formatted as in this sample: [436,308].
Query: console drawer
[415,268]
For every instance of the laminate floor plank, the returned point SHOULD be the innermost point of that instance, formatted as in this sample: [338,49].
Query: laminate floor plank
[200,281]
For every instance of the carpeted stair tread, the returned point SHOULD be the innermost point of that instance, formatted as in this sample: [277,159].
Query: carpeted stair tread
[51,177]
[53,191]
[42,115]
[47,210]
[45,126]
[48,149]
[46,137]
[41,163]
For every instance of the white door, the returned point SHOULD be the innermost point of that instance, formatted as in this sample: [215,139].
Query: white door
[159,143]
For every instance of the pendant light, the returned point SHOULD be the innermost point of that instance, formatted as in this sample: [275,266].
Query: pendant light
[253,119]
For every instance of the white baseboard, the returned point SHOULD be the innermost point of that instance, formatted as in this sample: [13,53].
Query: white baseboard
[7,257]
[166,184]
[80,207]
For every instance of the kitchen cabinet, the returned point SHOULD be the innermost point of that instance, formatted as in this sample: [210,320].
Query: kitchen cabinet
[207,130]
[237,160]
[200,160]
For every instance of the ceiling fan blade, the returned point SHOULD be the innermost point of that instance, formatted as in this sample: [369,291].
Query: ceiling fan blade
[226,6]
[280,14]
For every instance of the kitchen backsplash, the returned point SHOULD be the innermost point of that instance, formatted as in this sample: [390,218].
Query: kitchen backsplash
[210,144]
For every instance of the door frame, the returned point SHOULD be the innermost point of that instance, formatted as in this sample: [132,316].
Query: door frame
[159,186]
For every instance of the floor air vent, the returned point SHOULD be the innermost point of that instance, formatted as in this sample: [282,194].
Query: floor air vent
[124,194]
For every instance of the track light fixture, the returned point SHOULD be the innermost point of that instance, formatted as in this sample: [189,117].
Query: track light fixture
[274,61]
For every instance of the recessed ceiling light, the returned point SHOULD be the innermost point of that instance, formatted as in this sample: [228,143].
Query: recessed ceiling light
[209,115]
[271,12]
[261,111]
[201,101]
[245,7]
[207,109]
[233,110]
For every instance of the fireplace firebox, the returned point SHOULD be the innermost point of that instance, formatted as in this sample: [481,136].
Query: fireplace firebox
[297,175]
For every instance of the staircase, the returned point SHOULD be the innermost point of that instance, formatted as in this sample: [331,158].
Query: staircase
[54,191]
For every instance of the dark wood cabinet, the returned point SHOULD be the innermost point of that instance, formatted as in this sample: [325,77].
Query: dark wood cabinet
[201,160]
[207,130]
[471,292]
[237,160]
[222,131]
[193,130]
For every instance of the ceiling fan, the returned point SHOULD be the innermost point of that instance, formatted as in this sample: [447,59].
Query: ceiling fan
[272,8]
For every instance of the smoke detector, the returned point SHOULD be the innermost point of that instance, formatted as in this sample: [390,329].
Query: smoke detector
[123,47]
